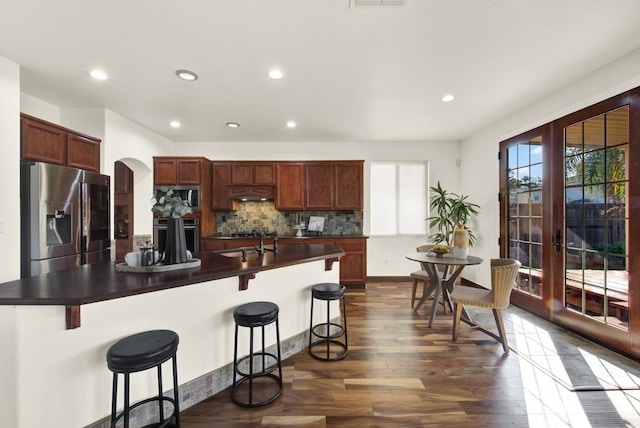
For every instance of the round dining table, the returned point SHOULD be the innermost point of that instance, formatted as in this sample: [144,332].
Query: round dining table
[440,279]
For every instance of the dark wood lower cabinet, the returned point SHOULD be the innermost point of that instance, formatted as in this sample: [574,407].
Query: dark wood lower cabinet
[353,265]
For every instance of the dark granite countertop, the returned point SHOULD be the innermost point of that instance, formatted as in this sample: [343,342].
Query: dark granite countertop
[99,282]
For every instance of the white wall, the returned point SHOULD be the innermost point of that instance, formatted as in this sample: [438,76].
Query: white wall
[9,221]
[479,172]
[135,146]
[40,109]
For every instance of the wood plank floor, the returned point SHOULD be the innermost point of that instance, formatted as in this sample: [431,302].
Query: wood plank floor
[401,373]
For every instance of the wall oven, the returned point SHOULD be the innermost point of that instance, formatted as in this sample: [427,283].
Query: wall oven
[191,231]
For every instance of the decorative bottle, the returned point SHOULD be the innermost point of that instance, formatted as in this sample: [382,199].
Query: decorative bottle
[460,242]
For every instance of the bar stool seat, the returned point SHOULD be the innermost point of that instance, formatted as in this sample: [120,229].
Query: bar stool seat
[138,352]
[252,315]
[331,332]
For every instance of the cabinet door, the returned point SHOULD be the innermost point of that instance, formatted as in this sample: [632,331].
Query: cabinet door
[291,241]
[290,177]
[43,142]
[123,178]
[264,173]
[353,265]
[242,173]
[212,244]
[221,197]
[83,152]
[189,171]
[348,185]
[165,171]
[245,242]
[319,188]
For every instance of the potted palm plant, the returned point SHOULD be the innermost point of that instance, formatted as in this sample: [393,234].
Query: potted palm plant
[452,213]
[173,207]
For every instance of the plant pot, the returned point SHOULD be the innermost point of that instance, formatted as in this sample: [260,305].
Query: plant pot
[176,244]
[460,242]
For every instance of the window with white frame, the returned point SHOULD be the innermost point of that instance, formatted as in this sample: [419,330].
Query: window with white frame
[399,198]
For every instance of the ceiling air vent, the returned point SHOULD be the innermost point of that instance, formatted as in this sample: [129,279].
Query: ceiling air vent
[355,3]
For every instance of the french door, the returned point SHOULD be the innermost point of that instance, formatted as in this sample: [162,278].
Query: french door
[567,192]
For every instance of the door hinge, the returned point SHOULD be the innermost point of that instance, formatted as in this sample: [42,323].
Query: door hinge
[499,155]
[499,197]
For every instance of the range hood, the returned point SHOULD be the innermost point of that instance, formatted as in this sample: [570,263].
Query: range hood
[252,193]
[245,198]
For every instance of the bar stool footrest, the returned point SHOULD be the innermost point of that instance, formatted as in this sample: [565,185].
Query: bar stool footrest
[269,400]
[262,372]
[339,333]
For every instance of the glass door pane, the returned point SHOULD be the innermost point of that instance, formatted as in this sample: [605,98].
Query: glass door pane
[595,217]
[524,214]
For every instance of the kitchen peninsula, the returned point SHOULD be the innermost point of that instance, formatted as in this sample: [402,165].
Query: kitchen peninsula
[353,272]
[64,370]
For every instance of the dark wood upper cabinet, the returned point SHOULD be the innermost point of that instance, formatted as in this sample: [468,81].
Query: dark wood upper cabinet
[123,178]
[221,199]
[319,189]
[298,185]
[83,152]
[290,178]
[189,171]
[177,170]
[165,171]
[241,173]
[348,185]
[43,141]
[253,173]
[264,173]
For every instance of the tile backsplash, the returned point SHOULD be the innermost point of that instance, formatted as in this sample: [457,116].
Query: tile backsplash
[263,216]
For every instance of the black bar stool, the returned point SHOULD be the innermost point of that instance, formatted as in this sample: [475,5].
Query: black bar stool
[332,332]
[140,352]
[256,314]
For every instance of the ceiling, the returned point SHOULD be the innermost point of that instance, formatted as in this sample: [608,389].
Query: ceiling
[352,72]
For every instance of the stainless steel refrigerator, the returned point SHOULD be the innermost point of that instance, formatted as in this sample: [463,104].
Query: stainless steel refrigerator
[65,218]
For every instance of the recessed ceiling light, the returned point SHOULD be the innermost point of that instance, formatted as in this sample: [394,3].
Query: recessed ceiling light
[275,74]
[98,74]
[291,124]
[187,75]
[174,124]
[233,125]
[448,98]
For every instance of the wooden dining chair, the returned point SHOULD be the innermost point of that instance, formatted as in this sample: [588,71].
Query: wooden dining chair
[503,276]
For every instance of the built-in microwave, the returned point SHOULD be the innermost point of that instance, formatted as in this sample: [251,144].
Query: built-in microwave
[187,193]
